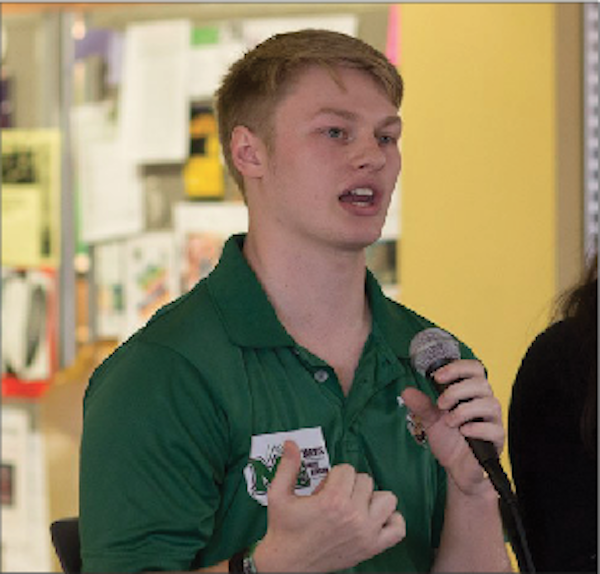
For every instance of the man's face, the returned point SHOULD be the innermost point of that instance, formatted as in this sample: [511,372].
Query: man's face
[334,160]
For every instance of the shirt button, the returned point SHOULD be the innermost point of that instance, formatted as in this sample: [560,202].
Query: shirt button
[321,375]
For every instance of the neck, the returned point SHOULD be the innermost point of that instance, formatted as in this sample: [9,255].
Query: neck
[319,297]
[309,286]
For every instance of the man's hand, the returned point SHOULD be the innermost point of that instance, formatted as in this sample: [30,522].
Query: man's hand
[466,408]
[342,523]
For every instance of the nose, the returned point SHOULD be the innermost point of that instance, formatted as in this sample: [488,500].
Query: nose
[368,155]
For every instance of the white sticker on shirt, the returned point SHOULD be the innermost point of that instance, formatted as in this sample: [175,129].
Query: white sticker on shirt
[265,454]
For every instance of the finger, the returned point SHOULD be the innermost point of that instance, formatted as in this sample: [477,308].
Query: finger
[340,480]
[493,433]
[462,369]
[463,391]
[363,490]
[486,410]
[392,532]
[421,406]
[383,505]
[287,472]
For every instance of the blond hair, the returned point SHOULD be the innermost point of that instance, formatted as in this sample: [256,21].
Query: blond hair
[256,83]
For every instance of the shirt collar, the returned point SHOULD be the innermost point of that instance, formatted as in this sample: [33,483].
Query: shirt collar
[393,321]
[247,314]
[251,321]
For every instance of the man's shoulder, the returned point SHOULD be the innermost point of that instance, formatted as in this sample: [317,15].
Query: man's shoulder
[398,322]
[191,327]
[403,323]
[186,330]
[189,316]
[400,319]
[407,316]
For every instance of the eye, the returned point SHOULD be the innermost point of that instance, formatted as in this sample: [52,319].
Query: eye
[387,139]
[336,133]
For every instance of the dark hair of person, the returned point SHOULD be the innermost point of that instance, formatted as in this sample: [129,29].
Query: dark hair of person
[580,306]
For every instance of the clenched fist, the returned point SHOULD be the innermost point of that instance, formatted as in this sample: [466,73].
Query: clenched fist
[342,523]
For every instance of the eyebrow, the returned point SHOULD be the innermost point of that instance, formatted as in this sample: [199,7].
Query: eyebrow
[351,116]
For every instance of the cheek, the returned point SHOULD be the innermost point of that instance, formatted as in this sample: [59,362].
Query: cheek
[312,165]
[291,156]
[395,164]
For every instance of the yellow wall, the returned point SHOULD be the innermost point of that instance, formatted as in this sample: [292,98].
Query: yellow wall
[477,253]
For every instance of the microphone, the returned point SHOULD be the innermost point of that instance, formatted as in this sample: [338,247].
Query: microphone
[432,349]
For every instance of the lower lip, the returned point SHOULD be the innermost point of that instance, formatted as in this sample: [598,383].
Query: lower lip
[362,208]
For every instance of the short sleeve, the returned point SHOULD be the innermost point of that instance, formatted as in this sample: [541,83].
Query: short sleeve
[153,456]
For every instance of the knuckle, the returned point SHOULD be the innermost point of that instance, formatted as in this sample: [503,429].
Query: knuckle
[335,505]
[386,500]
[366,479]
[345,468]
[390,499]
[399,525]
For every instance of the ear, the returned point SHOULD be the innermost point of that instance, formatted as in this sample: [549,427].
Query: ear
[248,152]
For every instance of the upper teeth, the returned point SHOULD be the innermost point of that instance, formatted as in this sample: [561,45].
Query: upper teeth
[365,191]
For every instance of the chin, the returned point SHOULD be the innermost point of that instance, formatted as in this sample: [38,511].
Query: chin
[359,241]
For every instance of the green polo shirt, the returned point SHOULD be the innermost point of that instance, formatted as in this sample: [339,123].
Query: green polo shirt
[183,426]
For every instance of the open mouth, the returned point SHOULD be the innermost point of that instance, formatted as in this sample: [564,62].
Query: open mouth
[359,196]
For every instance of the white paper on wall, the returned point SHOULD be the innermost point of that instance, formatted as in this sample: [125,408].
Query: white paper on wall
[154,104]
[208,65]
[38,557]
[255,30]
[25,540]
[111,192]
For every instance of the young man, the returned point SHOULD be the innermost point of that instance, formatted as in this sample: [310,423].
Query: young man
[270,419]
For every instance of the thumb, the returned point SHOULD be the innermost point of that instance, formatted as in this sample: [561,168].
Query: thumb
[287,471]
[421,405]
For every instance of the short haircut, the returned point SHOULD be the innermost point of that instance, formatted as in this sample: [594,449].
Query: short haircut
[257,82]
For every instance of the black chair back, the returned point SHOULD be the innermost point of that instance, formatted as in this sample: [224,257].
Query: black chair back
[65,538]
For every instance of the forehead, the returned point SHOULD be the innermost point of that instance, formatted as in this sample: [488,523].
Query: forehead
[318,86]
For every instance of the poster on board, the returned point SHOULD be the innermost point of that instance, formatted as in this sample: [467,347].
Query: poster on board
[31,198]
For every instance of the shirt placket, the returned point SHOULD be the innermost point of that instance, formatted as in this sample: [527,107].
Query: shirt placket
[377,368]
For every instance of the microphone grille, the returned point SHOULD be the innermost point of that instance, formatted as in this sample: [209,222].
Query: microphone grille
[431,346]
